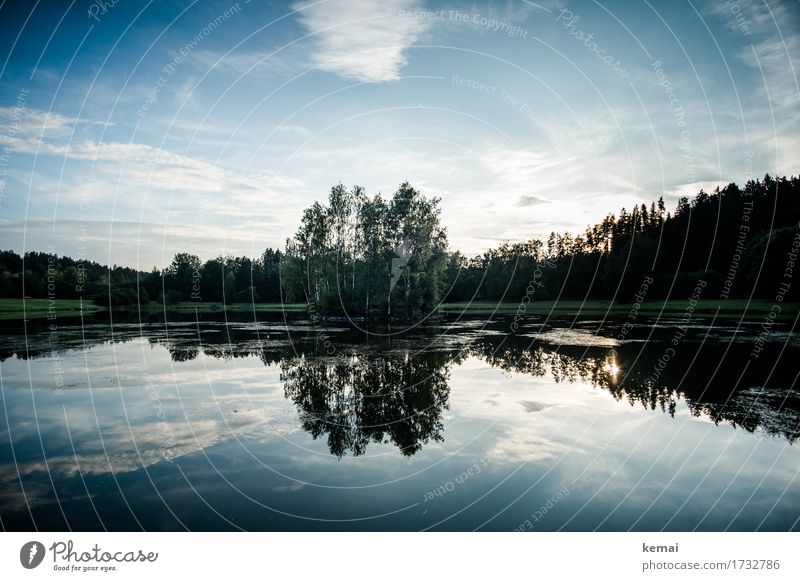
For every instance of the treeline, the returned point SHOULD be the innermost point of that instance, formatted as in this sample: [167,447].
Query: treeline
[223,279]
[364,256]
[738,240]
[43,275]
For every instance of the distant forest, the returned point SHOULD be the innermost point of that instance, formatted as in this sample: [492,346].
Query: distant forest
[365,256]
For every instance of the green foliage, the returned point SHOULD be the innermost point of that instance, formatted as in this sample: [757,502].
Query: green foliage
[182,275]
[119,297]
[171,297]
[362,256]
[766,258]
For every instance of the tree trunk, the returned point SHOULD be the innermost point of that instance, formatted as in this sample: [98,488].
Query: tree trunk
[389,303]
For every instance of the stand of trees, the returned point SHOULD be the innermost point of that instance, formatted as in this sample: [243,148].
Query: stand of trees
[363,256]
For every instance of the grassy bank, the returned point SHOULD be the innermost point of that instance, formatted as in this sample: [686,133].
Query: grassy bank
[730,309]
[208,307]
[40,308]
[11,309]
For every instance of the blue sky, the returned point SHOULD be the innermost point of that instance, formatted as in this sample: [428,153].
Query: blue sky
[133,130]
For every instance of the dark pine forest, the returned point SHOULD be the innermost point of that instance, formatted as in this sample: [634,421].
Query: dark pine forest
[366,256]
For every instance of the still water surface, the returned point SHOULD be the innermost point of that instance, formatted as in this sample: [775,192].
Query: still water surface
[217,424]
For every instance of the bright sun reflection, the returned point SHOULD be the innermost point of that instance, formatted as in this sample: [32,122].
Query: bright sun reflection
[612,368]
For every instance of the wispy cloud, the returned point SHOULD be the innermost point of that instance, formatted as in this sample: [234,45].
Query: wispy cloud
[187,202]
[771,33]
[39,133]
[746,16]
[283,61]
[771,48]
[775,57]
[365,40]
[297,129]
[138,162]
[525,201]
[33,122]
[519,167]
[691,190]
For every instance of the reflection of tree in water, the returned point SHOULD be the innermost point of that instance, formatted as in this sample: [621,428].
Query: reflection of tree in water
[354,401]
[393,397]
[378,395]
[180,353]
[722,387]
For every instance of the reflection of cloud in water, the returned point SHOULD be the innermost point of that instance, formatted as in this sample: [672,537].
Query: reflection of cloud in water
[527,446]
[11,497]
[565,408]
[152,442]
[166,421]
[534,406]
[242,388]
[532,415]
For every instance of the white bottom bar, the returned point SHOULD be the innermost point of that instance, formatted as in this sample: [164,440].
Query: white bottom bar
[350,556]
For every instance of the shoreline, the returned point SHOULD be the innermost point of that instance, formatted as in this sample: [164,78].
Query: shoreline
[14,309]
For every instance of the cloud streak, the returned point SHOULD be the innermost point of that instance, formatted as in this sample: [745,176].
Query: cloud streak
[362,40]
[525,201]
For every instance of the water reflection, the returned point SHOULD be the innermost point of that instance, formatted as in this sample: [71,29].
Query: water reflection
[357,388]
[374,392]
[281,410]
[353,401]
[716,380]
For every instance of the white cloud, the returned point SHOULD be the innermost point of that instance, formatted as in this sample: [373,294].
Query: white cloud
[182,202]
[525,201]
[521,168]
[39,133]
[365,40]
[692,189]
[145,164]
[299,130]
[34,122]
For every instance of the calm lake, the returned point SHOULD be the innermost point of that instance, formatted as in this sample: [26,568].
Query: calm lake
[208,423]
